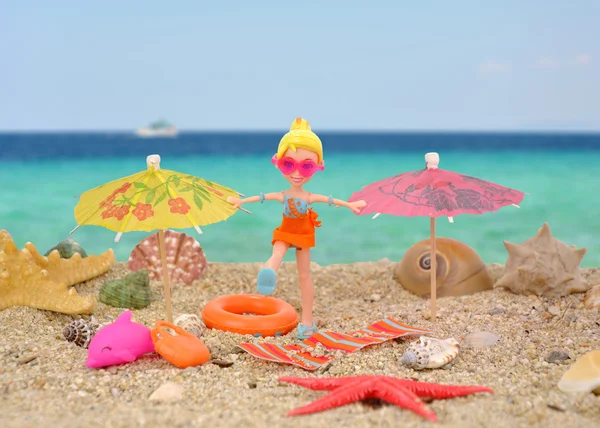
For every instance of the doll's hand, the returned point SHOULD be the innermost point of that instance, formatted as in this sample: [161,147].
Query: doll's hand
[236,202]
[356,206]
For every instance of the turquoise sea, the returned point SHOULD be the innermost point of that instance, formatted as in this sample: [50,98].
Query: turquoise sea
[41,175]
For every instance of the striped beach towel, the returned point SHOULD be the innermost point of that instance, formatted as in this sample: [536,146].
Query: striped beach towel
[289,354]
[379,332]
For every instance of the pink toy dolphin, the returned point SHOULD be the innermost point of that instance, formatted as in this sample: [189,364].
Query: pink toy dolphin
[119,342]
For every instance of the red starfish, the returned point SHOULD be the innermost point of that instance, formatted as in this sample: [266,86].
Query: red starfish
[401,392]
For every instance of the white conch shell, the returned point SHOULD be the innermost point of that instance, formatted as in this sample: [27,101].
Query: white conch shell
[592,298]
[190,323]
[430,353]
[583,376]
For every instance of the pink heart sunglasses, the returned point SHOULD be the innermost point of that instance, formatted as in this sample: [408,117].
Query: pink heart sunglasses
[306,168]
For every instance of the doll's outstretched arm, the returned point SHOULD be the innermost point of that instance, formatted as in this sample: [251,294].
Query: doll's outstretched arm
[354,206]
[237,202]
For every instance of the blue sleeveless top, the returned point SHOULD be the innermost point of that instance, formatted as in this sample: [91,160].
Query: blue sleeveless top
[301,206]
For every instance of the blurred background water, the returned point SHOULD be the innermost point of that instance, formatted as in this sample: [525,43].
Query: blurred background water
[42,173]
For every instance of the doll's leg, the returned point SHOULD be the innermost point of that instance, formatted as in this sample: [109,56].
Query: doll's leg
[307,327]
[279,250]
[267,276]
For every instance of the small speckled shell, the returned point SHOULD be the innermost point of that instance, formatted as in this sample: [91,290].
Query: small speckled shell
[430,353]
[190,323]
[81,331]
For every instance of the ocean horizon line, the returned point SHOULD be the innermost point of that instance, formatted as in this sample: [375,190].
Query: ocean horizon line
[29,146]
[330,131]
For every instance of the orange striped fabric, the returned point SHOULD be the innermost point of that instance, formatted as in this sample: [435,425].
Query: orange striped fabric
[290,354]
[379,332]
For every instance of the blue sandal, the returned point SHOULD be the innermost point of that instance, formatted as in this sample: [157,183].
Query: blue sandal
[305,332]
[266,281]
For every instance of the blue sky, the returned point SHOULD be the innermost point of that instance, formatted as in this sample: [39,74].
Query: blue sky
[224,65]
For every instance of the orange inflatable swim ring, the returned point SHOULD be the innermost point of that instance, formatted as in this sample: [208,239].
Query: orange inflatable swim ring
[253,314]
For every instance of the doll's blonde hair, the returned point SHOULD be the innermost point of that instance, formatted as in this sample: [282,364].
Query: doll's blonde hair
[300,136]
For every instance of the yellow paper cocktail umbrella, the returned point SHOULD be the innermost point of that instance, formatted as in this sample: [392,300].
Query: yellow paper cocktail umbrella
[155,199]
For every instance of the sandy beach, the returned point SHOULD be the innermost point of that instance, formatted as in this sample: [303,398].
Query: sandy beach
[44,380]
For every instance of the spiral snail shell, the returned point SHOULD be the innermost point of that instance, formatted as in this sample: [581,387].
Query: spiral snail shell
[81,331]
[190,323]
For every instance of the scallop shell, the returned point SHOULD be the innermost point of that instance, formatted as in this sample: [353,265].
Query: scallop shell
[81,331]
[131,292]
[185,258]
[583,375]
[430,353]
[480,339]
[190,323]
[592,298]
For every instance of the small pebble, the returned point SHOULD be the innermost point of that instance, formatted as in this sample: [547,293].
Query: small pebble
[168,392]
[557,407]
[375,297]
[497,310]
[554,310]
[222,363]
[26,359]
[556,356]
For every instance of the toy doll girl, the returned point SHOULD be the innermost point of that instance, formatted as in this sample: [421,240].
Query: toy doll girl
[298,157]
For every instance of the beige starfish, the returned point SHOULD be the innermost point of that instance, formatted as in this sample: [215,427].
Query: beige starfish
[30,279]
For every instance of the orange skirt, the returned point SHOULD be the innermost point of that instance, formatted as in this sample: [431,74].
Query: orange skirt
[298,232]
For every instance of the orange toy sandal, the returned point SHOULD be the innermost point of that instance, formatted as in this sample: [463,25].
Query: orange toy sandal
[183,350]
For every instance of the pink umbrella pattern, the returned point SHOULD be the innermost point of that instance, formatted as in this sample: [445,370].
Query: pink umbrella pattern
[434,192]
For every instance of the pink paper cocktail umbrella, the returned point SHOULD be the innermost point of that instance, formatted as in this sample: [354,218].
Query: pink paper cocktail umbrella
[434,192]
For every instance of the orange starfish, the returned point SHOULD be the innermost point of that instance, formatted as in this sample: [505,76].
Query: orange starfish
[401,392]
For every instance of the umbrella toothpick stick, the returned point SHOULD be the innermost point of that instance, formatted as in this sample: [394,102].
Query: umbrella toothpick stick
[165,274]
[433,268]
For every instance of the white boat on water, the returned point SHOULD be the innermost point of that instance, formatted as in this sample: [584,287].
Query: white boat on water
[160,128]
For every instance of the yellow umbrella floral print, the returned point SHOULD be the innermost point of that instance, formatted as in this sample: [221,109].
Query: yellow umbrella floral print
[155,199]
